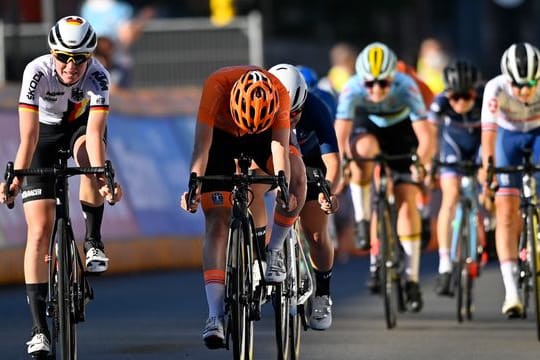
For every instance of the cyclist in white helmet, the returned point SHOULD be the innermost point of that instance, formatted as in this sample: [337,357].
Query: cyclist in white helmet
[63,103]
[316,139]
[382,110]
[510,125]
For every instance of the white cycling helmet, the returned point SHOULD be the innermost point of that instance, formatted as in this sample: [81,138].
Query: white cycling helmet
[293,80]
[521,63]
[376,62]
[72,34]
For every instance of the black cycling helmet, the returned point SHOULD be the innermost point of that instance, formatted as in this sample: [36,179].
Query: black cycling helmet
[460,76]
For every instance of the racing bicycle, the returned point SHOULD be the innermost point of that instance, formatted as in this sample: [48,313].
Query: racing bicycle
[243,299]
[69,290]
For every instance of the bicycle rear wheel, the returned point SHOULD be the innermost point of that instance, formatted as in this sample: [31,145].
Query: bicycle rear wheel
[67,335]
[388,258]
[238,283]
[532,234]
[281,304]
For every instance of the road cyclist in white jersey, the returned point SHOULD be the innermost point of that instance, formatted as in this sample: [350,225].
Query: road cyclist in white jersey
[381,110]
[511,127]
[63,103]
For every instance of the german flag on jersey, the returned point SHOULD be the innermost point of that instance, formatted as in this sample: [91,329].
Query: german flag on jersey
[28,107]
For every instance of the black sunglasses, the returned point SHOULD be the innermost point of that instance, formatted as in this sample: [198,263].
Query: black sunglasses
[465,96]
[529,84]
[76,58]
[382,83]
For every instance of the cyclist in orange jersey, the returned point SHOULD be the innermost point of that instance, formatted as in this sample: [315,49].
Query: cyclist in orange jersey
[242,109]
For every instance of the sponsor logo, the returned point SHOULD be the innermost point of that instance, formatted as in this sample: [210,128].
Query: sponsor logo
[28,193]
[52,96]
[101,80]
[100,101]
[217,198]
[77,94]
[33,85]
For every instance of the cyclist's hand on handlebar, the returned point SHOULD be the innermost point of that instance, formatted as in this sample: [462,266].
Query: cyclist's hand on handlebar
[13,191]
[106,192]
[194,202]
[327,207]
[418,173]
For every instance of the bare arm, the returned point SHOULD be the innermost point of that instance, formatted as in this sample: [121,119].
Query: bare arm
[95,132]
[201,149]
[343,129]
[332,162]
[280,151]
[426,141]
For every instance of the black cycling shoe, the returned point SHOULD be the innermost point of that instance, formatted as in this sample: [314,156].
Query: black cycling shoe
[362,240]
[413,296]
[374,282]
[443,285]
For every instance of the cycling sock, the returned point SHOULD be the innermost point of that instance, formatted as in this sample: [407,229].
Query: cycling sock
[509,270]
[93,216]
[280,228]
[361,199]
[260,234]
[411,246]
[214,285]
[36,296]
[445,265]
[323,282]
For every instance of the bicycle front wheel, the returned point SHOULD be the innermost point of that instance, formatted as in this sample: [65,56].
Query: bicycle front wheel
[238,284]
[532,234]
[67,335]
[295,320]
[388,265]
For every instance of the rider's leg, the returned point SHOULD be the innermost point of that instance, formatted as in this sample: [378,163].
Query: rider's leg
[450,196]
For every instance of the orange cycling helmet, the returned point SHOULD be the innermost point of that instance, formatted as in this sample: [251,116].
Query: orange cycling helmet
[254,102]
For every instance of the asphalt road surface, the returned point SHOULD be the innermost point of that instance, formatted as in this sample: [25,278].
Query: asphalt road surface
[160,316]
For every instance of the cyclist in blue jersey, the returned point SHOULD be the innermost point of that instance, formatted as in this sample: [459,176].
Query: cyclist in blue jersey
[456,112]
[313,125]
[381,110]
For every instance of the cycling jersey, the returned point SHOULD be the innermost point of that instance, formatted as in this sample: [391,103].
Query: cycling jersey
[214,109]
[316,137]
[501,108]
[57,103]
[426,92]
[459,134]
[315,130]
[404,101]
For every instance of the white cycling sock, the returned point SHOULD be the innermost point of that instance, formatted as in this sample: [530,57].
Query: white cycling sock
[215,295]
[411,246]
[277,237]
[361,199]
[445,265]
[509,270]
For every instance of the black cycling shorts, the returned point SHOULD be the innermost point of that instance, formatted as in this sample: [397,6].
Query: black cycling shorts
[226,147]
[52,138]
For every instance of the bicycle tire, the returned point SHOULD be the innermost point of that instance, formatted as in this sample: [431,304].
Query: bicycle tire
[240,327]
[67,335]
[461,272]
[532,232]
[387,265]
[524,269]
[295,320]
[281,304]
